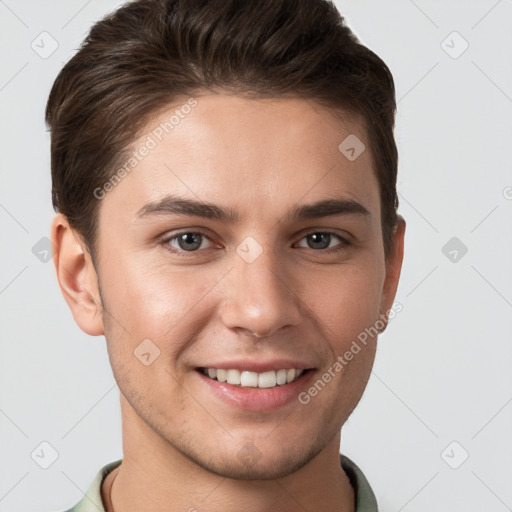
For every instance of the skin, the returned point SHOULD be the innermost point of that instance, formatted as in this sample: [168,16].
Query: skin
[260,158]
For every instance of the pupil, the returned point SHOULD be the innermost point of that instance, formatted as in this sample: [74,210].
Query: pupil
[321,239]
[189,238]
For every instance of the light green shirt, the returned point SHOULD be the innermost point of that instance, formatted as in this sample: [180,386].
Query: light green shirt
[365,499]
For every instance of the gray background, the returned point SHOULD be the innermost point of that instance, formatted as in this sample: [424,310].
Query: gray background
[442,372]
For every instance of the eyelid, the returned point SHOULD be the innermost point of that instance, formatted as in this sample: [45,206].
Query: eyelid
[174,234]
[340,233]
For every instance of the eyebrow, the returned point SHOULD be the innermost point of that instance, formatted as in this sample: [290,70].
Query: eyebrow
[174,205]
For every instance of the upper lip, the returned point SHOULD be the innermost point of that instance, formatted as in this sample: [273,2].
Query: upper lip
[260,366]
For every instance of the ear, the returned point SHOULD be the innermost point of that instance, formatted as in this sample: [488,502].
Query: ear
[393,269]
[77,277]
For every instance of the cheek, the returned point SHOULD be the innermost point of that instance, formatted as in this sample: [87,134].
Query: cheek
[345,300]
[157,302]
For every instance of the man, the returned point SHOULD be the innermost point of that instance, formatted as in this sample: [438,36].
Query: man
[225,180]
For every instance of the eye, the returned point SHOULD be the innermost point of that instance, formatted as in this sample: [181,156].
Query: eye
[322,240]
[193,241]
[189,241]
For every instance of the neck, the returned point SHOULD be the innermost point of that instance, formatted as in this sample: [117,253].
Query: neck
[156,477]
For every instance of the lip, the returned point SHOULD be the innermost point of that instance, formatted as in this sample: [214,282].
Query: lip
[260,366]
[256,399]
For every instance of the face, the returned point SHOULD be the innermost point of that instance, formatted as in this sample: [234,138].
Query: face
[281,268]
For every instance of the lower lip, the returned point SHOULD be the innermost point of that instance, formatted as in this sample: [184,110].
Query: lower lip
[257,399]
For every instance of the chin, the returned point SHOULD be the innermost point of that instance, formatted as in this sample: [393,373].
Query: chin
[249,463]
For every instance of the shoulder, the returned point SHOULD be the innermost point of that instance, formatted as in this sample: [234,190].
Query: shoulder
[365,498]
[91,501]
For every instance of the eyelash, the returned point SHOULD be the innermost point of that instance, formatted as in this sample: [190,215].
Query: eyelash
[344,243]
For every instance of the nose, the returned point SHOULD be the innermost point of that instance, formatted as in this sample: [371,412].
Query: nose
[259,297]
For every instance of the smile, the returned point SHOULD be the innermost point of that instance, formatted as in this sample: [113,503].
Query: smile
[264,380]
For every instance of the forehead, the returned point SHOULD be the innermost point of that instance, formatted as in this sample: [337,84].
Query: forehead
[259,156]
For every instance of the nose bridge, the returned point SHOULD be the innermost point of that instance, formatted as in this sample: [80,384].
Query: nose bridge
[258,298]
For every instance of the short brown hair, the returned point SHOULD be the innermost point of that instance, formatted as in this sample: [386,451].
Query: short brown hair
[148,53]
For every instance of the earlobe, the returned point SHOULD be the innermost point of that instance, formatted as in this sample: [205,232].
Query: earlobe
[77,277]
[393,269]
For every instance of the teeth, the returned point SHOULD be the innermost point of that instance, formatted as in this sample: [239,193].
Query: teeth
[248,379]
[281,377]
[267,379]
[233,377]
